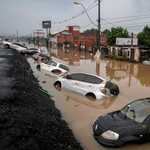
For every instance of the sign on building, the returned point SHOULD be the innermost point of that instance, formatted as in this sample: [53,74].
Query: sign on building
[46,24]
[126,41]
[76,28]
[39,31]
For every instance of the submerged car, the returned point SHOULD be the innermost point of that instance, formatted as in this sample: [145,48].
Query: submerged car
[29,51]
[6,44]
[40,57]
[130,124]
[15,45]
[53,66]
[88,85]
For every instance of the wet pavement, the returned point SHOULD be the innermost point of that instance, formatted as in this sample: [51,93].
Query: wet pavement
[79,112]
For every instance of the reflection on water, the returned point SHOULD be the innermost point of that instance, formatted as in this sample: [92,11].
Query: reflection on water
[133,80]
[51,74]
[89,101]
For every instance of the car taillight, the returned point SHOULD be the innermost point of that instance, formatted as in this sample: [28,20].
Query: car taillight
[103,90]
[60,71]
[26,48]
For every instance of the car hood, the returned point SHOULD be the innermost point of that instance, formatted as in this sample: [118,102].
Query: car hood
[112,121]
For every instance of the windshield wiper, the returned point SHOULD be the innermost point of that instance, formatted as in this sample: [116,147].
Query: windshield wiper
[126,111]
[134,115]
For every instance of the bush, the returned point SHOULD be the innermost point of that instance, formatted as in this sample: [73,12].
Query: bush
[121,58]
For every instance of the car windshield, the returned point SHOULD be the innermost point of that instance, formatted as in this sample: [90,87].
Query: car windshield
[137,110]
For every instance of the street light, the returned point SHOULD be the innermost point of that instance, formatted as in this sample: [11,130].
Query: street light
[98,39]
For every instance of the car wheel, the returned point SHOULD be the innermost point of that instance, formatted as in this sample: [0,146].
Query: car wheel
[57,85]
[91,96]
[6,46]
[38,66]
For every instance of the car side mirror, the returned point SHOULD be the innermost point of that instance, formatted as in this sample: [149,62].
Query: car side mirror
[68,77]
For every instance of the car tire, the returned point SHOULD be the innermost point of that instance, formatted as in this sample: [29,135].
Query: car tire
[91,96]
[57,85]
[6,46]
[38,67]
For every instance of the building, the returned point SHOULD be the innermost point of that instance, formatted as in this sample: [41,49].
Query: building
[127,47]
[80,41]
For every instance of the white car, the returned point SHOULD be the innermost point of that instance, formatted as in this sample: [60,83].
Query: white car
[29,51]
[40,57]
[15,45]
[87,85]
[52,74]
[6,44]
[53,66]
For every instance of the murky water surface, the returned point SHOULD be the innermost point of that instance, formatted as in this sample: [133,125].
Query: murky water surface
[79,112]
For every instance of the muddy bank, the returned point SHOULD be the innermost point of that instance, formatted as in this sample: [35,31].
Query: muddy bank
[28,117]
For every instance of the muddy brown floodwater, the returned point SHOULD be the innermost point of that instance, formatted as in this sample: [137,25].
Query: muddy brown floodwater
[133,80]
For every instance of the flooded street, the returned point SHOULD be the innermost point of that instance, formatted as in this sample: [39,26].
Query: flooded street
[79,112]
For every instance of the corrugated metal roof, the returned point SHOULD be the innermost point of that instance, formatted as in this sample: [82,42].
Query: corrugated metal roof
[58,32]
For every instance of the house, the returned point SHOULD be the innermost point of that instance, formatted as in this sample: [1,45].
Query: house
[55,35]
[127,47]
[80,41]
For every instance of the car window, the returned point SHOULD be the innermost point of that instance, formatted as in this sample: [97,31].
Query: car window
[49,62]
[63,67]
[92,79]
[78,76]
[19,44]
[137,110]
[54,64]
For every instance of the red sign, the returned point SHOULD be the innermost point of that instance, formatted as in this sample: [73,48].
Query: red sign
[39,31]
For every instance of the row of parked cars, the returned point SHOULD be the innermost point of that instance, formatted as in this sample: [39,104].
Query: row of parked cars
[23,49]
[129,124]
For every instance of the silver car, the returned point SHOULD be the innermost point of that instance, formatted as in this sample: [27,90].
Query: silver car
[87,85]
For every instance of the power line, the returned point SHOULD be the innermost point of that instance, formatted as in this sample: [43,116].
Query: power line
[129,17]
[87,9]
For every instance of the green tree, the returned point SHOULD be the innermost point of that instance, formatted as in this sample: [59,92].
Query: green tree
[105,31]
[95,31]
[144,36]
[114,33]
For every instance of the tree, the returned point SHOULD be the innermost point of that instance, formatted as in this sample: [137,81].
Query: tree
[95,31]
[144,36]
[105,31]
[118,32]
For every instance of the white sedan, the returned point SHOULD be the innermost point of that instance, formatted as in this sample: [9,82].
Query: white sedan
[15,45]
[87,85]
[53,66]
[29,51]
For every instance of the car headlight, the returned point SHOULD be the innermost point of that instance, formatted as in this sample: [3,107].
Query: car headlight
[110,135]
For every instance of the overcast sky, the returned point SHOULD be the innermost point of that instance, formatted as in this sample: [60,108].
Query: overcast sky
[24,16]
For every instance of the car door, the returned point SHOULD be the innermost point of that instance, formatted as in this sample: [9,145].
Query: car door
[14,45]
[73,81]
[87,85]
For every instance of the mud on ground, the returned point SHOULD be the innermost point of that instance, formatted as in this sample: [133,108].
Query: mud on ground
[28,117]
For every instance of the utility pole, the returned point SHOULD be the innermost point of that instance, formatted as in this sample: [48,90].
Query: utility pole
[99,38]
[17,36]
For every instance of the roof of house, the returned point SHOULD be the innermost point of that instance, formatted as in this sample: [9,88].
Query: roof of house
[61,32]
